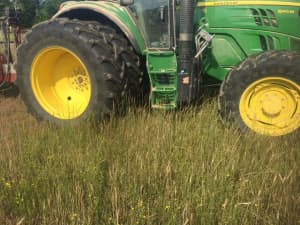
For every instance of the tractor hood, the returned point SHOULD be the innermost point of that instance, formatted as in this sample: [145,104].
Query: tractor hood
[270,16]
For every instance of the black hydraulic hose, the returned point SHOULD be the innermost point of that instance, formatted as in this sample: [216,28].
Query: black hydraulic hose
[186,50]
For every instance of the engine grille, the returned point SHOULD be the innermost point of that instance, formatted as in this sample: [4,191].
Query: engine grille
[264,17]
[267,42]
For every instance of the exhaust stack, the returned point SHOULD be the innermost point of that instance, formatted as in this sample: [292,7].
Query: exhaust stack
[186,51]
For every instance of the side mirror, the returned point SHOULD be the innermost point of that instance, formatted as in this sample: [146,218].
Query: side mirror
[126,2]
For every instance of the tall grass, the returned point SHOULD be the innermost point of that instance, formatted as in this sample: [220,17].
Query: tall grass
[146,168]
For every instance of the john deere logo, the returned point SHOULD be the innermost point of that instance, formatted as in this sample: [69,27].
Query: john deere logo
[285,11]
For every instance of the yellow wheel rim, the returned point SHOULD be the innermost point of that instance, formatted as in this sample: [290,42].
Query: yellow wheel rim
[60,82]
[271,106]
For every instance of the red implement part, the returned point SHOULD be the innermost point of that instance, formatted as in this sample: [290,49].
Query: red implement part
[6,72]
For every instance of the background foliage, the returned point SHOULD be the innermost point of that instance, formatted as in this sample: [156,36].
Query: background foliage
[33,11]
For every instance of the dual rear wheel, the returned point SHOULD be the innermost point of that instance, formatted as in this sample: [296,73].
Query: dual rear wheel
[69,70]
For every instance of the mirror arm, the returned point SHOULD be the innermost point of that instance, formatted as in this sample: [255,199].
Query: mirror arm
[126,2]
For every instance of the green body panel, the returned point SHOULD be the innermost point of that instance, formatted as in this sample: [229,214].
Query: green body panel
[113,11]
[227,51]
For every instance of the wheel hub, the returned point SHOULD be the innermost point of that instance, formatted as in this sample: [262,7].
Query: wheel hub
[271,106]
[61,82]
[80,81]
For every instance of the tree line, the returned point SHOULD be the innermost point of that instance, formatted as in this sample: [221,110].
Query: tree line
[31,11]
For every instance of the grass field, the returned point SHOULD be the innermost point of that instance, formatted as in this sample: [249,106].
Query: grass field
[145,168]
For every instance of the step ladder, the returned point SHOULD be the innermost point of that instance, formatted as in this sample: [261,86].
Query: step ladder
[162,70]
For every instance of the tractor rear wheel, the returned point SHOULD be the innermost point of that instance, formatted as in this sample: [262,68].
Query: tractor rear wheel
[132,66]
[263,94]
[66,74]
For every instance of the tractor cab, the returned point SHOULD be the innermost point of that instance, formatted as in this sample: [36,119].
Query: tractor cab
[153,19]
[174,77]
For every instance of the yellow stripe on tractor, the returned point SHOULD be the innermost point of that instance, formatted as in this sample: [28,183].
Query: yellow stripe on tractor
[240,3]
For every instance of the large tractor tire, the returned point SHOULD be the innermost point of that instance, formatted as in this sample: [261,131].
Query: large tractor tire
[66,74]
[262,94]
[132,65]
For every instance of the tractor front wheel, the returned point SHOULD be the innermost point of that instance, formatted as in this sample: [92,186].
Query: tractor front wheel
[263,94]
[66,74]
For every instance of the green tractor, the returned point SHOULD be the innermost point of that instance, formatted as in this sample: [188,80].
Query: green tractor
[92,54]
